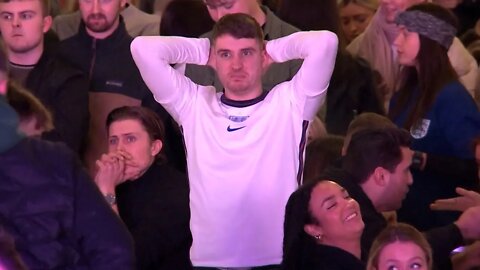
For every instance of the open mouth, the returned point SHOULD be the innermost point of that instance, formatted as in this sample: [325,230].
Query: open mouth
[351,216]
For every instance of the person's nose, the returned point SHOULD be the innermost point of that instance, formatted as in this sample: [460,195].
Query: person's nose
[353,29]
[96,6]
[120,145]
[410,178]
[397,41]
[16,21]
[237,62]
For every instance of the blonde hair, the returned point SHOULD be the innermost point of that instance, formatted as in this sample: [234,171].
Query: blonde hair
[370,4]
[399,232]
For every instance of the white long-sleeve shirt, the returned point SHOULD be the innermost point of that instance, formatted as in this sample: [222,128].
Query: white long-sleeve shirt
[244,158]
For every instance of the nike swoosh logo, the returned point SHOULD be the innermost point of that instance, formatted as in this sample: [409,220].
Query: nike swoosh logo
[229,129]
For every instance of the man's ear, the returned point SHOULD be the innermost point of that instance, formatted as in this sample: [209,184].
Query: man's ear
[381,176]
[267,61]
[212,62]
[156,147]
[47,23]
[313,230]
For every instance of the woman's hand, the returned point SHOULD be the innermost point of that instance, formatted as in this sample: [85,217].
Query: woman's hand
[132,169]
[111,172]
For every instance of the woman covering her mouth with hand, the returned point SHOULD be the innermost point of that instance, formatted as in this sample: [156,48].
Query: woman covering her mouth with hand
[150,196]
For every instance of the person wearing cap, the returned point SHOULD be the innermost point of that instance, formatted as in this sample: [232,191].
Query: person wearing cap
[433,105]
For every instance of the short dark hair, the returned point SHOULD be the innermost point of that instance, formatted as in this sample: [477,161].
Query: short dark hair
[238,25]
[320,154]
[45,4]
[186,18]
[150,121]
[372,148]
[366,120]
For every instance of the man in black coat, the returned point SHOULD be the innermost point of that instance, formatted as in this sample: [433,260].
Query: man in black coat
[60,87]
[376,172]
[55,213]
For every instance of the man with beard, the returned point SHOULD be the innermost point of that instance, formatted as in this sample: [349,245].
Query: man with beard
[101,49]
[137,22]
[60,87]
[375,171]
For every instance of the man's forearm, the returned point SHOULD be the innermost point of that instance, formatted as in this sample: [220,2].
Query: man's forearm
[153,56]
[317,48]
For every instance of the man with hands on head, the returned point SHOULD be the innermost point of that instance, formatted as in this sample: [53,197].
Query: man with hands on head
[237,205]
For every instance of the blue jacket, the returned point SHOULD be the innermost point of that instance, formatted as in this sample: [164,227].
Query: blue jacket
[448,129]
[56,214]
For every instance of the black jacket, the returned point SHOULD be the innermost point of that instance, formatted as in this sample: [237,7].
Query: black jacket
[113,75]
[323,257]
[64,91]
[352,91]
[155,208]
[56,214]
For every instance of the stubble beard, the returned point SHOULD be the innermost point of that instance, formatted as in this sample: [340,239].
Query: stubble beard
[98,23]
[23,47]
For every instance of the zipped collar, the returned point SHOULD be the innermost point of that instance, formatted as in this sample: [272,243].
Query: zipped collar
[115,39]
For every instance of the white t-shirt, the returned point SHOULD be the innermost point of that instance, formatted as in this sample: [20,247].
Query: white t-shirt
[244,158]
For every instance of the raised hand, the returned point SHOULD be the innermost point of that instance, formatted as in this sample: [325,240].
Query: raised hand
[110,172]
[466,200]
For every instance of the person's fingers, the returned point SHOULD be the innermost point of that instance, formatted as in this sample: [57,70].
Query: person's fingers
[100,165]
[125,154]
[451,204]
[117,155]
[468,193]
[121,165]
[463,192]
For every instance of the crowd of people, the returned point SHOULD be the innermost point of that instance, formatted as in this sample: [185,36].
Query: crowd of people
[239,135]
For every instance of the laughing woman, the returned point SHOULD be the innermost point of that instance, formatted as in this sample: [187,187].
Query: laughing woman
[150,196]
[322,229]
[442,117]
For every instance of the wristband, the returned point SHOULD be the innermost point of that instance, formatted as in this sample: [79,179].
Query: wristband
[111,199]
